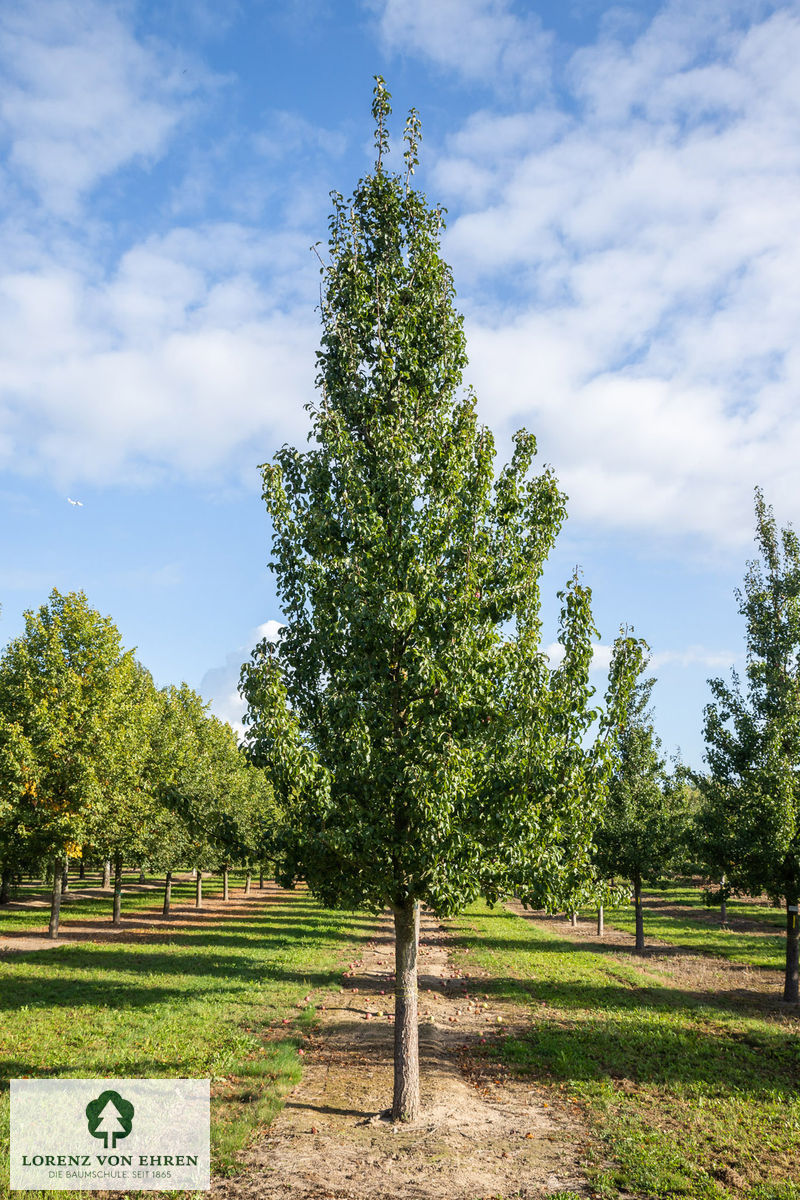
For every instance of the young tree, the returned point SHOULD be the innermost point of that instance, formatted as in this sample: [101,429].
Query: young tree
[752,793]
[642,831]
[56,685]
[399,562]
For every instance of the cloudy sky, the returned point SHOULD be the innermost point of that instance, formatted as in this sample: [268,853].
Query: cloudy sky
[622,188]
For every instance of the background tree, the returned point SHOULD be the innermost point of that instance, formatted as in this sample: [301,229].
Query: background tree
[399,560]
[643,828]
[129,822]
[20,828]
[752,793]
[56,685]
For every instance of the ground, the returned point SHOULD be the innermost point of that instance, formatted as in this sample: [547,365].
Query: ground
[481,1134]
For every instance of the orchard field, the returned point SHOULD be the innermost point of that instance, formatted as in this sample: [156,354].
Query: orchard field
[443,799]
[673,1073]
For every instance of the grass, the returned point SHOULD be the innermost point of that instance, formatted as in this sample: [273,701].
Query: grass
[207,1002]
[698,927]
[98,904]
[689,1094]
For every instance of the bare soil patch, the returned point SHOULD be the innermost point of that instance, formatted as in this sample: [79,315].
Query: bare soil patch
[482,1133]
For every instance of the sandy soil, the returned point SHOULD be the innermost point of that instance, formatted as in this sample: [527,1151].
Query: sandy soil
[481,1134]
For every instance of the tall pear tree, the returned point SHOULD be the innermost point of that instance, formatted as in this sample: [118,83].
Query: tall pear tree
[401,559]
[751,815]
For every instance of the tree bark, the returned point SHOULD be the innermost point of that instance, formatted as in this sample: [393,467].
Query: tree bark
[82,869]
[261,878]
[117,917]
[55,905]
[5,886]
[65,876]
[601,925]
[791,985]
[198,889]
[573,920]
[637,901]
[247,884]
[142,878]
[167,894]
[405,1104]
[107,874]
[723,907]
[225,889]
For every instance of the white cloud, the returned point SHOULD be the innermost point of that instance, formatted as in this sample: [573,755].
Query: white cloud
[601,656]
[483,40]
[192,356]
[220,685]
[630,263]
[694,656]
[82,96]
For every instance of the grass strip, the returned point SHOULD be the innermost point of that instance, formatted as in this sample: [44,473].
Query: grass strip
[227,1001]
[698,928]
[689,1094]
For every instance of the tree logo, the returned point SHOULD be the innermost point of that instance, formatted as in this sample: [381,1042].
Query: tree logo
[109,1116]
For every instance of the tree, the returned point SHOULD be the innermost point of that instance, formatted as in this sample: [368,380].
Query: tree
[129,821]
[400,562]
[56,686]
[642,831]
[20,827]
[752,793]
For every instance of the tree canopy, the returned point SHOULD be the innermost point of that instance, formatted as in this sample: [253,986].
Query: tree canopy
[752,731]
[402,560]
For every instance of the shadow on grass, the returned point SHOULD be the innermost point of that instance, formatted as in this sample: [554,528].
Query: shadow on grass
[559,945]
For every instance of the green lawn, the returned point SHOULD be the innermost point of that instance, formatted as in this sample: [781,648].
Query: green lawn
[689,1094]
[206,1002]
[699,927]
[99,904]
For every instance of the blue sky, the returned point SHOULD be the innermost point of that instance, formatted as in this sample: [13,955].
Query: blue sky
[622,186]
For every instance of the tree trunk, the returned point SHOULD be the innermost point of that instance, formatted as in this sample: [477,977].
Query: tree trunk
[5,886]
[82,869]
[601,925]
[791,986]
[247,884]
[573,920]
[405,1105]
[142,878]
[167,894]
[637,901]
[261,878]
[723,907]
[65,877]
[55,906]
[107,874]
[198,889]
[117,917]
[225,890]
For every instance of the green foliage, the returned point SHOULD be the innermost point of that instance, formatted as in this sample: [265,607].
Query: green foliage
[643,829]
[57,687]
[751,815]
[385,708]
[20,839]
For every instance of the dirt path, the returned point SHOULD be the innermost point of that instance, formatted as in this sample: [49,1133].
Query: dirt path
[481,1134]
